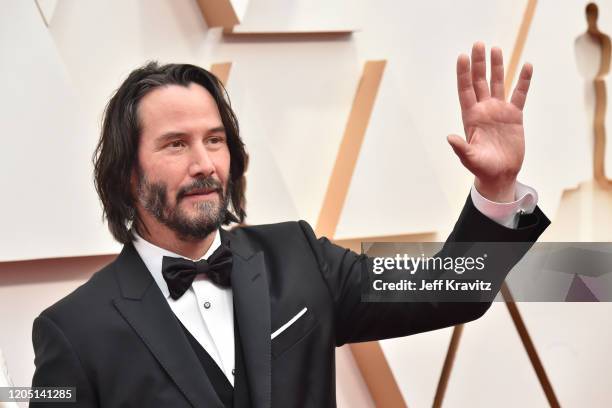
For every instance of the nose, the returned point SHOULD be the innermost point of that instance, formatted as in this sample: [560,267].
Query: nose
[202,163]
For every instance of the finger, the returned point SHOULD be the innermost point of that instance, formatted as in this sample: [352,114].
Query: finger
[467,97]
[519,96]
[460,147]
[497,74]
[479,71]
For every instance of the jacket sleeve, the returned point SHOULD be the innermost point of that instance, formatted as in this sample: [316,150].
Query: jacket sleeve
[344,270]
[57,365]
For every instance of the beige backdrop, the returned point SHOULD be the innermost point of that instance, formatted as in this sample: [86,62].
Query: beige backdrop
[293,95]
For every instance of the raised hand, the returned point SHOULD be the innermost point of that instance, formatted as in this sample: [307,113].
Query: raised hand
[494,146]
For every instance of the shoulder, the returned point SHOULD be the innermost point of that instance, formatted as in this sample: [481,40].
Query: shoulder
[285,238]
[270,230]
[287,233]
[88,298]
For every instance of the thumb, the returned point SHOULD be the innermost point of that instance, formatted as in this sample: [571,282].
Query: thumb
[459,145]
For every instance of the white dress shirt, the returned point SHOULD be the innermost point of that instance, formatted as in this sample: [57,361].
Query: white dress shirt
[207,310]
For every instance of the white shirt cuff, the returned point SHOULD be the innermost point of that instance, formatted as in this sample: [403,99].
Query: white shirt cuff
[507,214]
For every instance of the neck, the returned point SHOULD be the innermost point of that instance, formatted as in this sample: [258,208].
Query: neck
[163,237]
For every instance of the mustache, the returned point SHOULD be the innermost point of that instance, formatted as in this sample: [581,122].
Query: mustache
[205,183]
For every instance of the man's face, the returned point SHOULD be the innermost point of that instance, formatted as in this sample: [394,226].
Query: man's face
[184,160]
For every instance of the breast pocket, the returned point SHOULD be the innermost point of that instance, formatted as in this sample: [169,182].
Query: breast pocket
[292,330]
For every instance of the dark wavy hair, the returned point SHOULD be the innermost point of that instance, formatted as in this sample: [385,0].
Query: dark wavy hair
[115,156]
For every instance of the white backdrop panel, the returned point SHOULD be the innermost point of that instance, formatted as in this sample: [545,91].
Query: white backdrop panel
[277,204]
[573,341]
[416,363]
[394,189]
[423,39]
[302,93]
[300,15]
[49,207]
[491,368]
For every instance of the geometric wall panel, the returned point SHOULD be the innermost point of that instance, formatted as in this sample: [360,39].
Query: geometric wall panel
[308,87]
[277,204]
[49,207]
[422,40]
[297,16]
[393,174]
[416,362]
[573,342]
[482,357]
[46,8]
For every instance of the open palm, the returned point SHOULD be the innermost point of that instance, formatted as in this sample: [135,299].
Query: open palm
[494,145]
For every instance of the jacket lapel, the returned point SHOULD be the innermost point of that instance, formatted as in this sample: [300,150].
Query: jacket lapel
[252,310]
[143,306]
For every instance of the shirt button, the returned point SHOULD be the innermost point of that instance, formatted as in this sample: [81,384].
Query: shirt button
[233,371]
[206,305]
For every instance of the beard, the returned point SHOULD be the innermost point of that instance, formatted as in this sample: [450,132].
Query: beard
[207,216]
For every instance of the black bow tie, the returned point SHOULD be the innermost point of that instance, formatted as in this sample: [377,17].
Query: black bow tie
[179,273]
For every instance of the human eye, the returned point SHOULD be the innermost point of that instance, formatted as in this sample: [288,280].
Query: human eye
[215,140]
[176,144]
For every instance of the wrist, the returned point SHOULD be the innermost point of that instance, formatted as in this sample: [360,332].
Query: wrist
[498,191]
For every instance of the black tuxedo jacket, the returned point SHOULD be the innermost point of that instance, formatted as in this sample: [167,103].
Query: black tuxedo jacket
[117,341]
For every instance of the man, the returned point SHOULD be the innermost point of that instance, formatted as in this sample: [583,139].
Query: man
[192,315]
